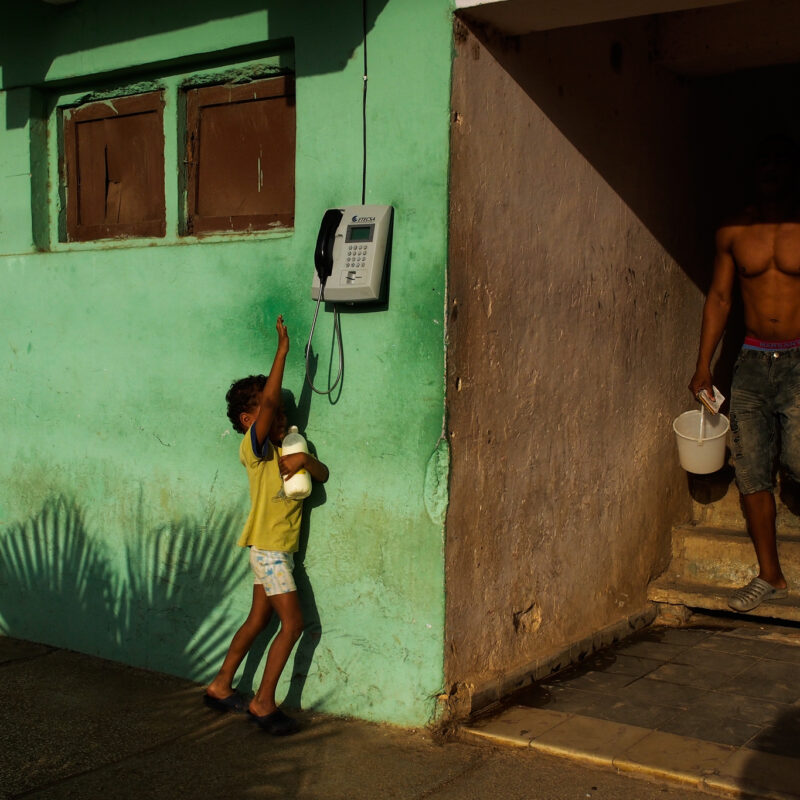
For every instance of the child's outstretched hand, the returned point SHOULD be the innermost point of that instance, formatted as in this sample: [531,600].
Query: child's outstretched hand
[283,335]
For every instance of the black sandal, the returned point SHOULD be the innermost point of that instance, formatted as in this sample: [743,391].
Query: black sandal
[233,702]
[277,723]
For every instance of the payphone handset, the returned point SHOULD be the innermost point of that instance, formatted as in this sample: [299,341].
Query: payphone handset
[351,253]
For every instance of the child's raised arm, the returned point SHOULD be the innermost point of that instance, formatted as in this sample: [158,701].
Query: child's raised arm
[271,395]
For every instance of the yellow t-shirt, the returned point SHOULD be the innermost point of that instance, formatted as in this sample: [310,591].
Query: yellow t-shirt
[274,520]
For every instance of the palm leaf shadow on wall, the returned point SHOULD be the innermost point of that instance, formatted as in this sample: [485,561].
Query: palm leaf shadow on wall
[58,585]
[180,579]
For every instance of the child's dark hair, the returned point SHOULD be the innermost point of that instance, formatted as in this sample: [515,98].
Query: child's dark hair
[241,397]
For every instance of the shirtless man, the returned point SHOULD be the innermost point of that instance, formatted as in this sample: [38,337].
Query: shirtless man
[762,247]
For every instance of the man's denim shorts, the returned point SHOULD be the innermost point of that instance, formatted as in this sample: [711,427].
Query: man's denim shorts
[765,417]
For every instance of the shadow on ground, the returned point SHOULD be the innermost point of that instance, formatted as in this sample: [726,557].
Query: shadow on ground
[772,760]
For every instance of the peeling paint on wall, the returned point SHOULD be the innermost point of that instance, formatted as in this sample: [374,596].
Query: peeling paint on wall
[437,475]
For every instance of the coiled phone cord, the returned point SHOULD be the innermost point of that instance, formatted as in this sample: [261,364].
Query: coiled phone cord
[337,333]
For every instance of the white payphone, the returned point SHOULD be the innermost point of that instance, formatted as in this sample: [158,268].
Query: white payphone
[351,252]
[349,261]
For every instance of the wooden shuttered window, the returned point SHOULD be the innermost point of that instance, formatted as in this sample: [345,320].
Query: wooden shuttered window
[240,154]
[114,160]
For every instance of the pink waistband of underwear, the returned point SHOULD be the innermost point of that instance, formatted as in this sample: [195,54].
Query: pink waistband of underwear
[752,343]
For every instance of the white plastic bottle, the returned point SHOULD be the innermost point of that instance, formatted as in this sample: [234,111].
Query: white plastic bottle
[299,485]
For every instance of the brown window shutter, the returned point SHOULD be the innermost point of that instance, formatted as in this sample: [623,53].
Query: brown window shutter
[114,158]
[240,154]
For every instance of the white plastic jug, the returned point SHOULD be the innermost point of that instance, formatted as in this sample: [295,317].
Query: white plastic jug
[701,441]
[299,485]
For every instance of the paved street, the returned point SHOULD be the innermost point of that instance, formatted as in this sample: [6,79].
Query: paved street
[73,726]
[715,704]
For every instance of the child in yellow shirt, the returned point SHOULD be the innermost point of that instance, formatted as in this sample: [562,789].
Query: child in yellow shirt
[271,532]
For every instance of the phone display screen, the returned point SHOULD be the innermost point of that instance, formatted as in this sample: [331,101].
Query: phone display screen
[359,233]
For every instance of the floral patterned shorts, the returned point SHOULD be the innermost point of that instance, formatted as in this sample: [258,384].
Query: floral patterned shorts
[273,570]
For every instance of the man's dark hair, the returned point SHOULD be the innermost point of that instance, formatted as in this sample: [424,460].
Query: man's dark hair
[241,397]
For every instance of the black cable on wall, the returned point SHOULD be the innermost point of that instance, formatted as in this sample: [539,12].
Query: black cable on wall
[364,108]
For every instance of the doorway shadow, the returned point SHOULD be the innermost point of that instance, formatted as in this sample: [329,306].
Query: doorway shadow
[676,148]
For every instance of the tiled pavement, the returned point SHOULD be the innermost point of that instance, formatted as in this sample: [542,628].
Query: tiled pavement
[715,704]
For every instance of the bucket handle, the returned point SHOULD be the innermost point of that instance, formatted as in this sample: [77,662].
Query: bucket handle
[702,425]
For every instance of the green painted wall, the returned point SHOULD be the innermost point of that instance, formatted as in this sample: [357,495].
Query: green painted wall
[121,495]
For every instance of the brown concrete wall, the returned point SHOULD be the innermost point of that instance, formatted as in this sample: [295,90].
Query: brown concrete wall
[574,310]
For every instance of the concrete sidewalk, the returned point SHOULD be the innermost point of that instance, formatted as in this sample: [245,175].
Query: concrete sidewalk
[73,726]
[715,705]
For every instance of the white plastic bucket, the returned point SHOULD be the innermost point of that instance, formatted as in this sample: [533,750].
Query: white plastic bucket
[697,455]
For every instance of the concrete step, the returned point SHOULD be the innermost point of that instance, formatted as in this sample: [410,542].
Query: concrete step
[716,502]
[708,563]
[714,554]
[668,591]
[724,557]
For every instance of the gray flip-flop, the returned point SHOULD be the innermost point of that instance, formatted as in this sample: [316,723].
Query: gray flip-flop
[754,594]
